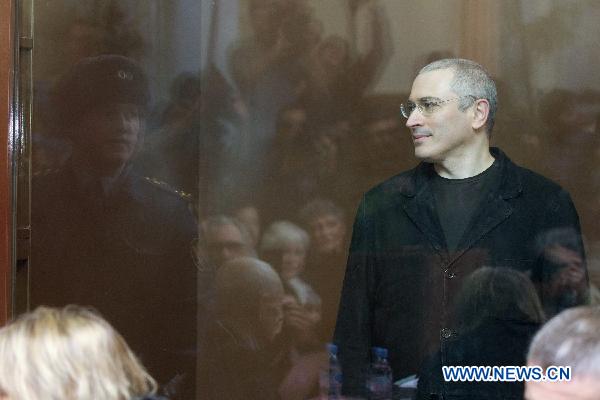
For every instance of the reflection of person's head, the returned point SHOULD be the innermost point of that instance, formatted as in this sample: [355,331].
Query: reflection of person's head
[327,226]
[69,353]
[497,294]
[291,123]
[249,300]
[333,53]
[564,280]
[284,246]
[569,339]
[101,103]
[226,238]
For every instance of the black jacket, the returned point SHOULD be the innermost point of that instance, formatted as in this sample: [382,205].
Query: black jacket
[127,253]
[401,283]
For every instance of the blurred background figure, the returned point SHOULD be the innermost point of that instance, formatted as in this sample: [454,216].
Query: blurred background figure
[565,281]
[337,76]
[245,356]
[326,263]
[380,148]
[225,238]
[285,246]
[252,347]
[288,182]
[569,339]
[269,69]
[497,312]
[69,354]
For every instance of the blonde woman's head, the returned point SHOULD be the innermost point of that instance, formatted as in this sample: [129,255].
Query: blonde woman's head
[68,354]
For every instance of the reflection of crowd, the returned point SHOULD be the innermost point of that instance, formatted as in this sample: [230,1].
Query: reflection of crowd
[286,129]
[276,161]
[306,271]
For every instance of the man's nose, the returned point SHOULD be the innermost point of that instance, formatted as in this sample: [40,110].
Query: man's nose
[415,118]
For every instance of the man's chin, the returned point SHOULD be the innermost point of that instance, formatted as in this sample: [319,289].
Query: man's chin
[422,156]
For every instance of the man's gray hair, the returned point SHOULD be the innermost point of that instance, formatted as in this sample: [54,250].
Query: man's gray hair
[283,233]
[470,79]
[570,339]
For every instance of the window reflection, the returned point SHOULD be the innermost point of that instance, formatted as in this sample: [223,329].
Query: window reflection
[157,161]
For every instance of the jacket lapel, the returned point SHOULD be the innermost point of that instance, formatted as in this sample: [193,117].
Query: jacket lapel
[499,210]
[495,210]
[420,208]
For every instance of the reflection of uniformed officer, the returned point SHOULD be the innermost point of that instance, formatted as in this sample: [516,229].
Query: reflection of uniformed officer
[105,237]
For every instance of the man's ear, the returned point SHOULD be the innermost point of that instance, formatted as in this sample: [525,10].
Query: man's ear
[481,112]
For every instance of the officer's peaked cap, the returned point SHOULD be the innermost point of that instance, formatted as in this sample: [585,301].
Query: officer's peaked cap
[97,81]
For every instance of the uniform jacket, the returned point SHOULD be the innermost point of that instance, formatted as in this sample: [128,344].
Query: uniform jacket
[401,283]
[126,252]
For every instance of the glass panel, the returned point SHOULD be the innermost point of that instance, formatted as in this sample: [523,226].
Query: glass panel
[202,137]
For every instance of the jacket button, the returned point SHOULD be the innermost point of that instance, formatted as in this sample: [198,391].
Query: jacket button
[446,333]
[449,274]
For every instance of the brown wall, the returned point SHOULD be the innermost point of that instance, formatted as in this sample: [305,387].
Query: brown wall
[6,58]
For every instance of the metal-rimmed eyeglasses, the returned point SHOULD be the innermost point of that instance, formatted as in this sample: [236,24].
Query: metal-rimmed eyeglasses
[427,105]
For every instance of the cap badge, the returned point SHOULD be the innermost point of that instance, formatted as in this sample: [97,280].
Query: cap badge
[125,75]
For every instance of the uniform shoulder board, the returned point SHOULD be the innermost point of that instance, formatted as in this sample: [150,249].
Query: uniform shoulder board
[165,186]
[45,172]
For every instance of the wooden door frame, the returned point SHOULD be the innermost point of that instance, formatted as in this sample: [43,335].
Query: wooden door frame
[7,74]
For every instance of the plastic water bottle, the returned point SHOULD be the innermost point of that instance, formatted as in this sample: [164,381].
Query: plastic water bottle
[334,390]
[379,381]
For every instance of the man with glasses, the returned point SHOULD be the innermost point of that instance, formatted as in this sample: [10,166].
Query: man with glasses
[226,238]
[420,234]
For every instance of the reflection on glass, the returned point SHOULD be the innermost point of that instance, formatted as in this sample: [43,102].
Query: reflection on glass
[107,237]
[156,121]
[496,312]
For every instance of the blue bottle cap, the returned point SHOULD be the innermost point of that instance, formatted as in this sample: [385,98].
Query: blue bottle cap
[380,352]
[332,348]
